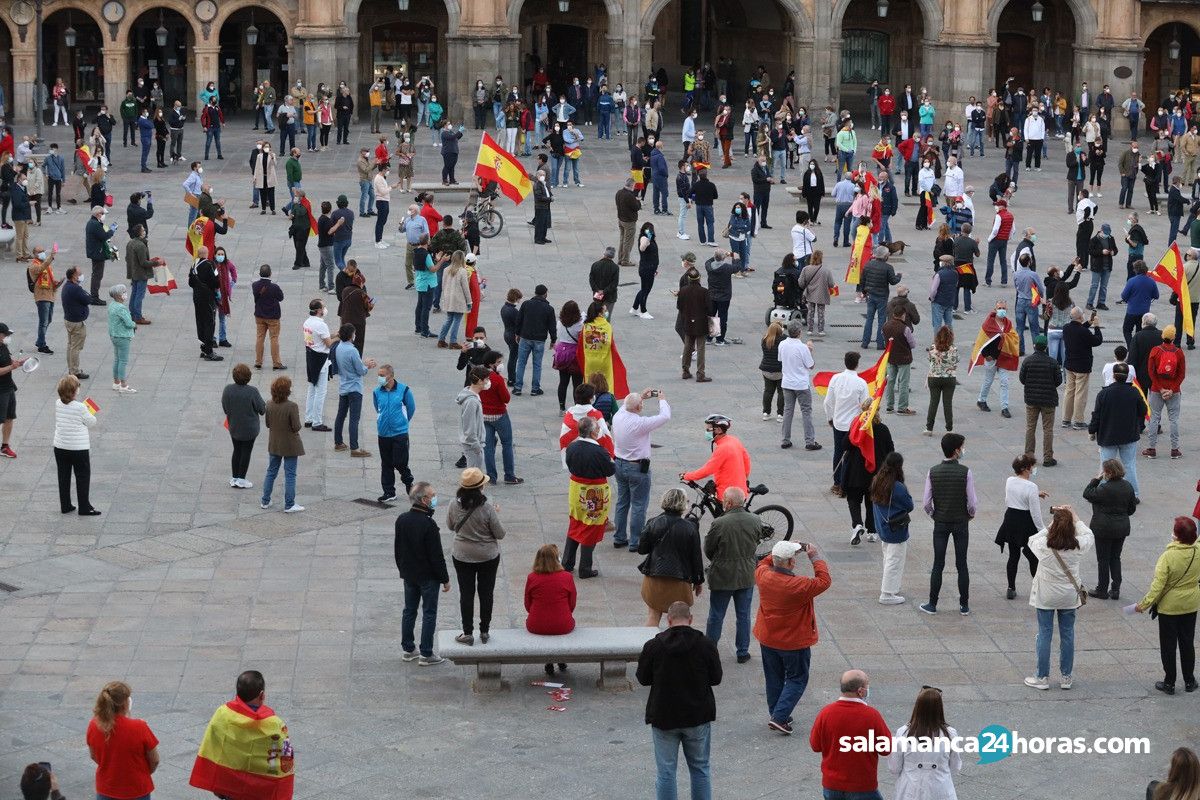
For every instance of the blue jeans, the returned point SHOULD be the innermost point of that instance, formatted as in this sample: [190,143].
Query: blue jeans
[573,163]
[312,136]
[742,249]
[683,209]
[289,479]
[1066,642]
[942,315]
[990,369]
[975,139]
[704,223]
[885,229]
[1100,282]
[1054,343]
[524,348]
[696,743]
[498,114]
[1127,453]
[351,403]
[145,151]
[845,161]
[211,136]
[425,594]
[633,492]
[876,308]
[997,247]
[718,603]
[120,357]
[424,303]
[292,187]
[501,428]
[660,194]
[45,312]
[1027,316]
[450,326]
[340,246]
[786,673]
[556,163]
[966,298]
[366,197]
[269,116]
[137,293]
[842,227]
[837,794]
[1126,196]
[221,327]
[778,163]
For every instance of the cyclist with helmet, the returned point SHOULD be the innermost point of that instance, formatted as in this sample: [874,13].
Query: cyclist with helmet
[729,464]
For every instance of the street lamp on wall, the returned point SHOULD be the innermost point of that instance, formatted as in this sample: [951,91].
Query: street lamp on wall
[69,33]
[564,5]
[1037,11]
[160,33]
[252,32]
[881,8]
[402,4]
[1173,47]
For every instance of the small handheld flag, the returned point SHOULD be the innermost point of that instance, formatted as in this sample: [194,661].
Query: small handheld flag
[91,405]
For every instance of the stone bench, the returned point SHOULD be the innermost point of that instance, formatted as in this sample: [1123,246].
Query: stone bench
[612,648]
[463,187]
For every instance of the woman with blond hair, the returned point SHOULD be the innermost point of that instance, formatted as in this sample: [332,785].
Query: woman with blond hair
[926,773]
[549,598]
[72,446]
[124,748]
[772,370]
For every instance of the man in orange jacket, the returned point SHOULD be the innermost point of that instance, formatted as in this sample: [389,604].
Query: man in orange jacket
[729,464]
[786,626]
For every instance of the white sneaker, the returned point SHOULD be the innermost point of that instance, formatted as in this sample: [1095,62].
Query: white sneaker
[1066,682]
[646,315]
[128,390]
[265,506]
[245,484]
[1037,683]
[633,312]
[295,508]
[872,537]
[891,599]
[117,388]
[779,417]
[233,483]
[682,236]
[856,535]
[766,415]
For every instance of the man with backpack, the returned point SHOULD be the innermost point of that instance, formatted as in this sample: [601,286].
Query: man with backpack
[1166,368]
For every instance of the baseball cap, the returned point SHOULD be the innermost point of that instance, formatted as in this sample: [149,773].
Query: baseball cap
[4,329]
[471,258]
[785,549]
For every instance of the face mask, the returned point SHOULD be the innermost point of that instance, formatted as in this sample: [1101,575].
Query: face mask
[487,385]
[8,339]
[433,502]
[1033,472]
[220,259]
[866,692]
[199,170]
[737,211]
[708,436]
[479,343]
[1001,313]
[382,380]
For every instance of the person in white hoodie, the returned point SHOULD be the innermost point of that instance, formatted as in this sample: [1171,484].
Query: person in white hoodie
[1035,136]
[953,181]
[471,416]
[1058,590]
[927,771]
[72,446]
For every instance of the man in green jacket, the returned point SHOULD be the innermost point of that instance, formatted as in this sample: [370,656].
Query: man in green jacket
[731,546]
[129,115]
[300,230]
[294,173]
[139,268]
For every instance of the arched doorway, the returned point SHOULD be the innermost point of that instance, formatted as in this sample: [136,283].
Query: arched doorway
[161,48]
[71,50]
[243,65]
[885,48]
[1172,62]
[567,43]
[409,42]
[1033,52]
[734,37]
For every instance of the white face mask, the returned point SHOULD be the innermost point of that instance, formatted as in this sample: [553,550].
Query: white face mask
[487,385]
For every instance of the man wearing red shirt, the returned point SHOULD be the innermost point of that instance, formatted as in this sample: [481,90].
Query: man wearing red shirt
[1166,368]
[729,464]
[431,214]
[382,156]
[846,774]
[887,107]
[786,626]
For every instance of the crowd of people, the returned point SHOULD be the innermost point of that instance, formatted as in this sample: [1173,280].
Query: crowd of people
[606,429]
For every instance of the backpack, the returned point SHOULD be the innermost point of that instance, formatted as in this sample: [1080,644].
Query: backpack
[1168,363]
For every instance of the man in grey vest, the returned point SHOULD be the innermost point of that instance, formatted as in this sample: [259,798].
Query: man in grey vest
[950,500]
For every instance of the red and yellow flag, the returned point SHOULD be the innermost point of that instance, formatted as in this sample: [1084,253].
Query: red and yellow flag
[91,405]
[874,375]
[862,429]
[1169,272]
[1145,402]
[1010,345]
[198,233]
[245,755]
[597,352]
[858,255]
[493,163]
[312,218]
[588,503]
[1036,296]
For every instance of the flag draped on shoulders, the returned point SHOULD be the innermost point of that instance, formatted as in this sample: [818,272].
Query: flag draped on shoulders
[495,164]
[569,431]
[312,219]
[858,255]
[588,501]
[999,331]
[862,429]
[597,352]
[245,755]
[1141,392]
[200,232]
[1169,272]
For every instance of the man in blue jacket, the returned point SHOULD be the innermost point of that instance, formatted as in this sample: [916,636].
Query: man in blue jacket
[659,172]
[75,308]
[394,409]
[1140,291]
[145,136]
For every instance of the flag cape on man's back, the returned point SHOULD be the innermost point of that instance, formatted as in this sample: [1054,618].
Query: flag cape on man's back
[1010,345]
[494,164]
[858,255]
[588,500]
[245,755]
[597,352]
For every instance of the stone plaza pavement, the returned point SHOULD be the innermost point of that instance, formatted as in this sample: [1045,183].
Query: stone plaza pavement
[183,582]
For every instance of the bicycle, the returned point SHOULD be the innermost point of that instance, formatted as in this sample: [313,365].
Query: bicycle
[777,522]
[490,220]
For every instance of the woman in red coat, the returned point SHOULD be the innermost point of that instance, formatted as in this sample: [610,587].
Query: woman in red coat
[549,598]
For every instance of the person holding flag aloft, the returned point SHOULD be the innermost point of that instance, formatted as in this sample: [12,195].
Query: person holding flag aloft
[1191,273]
[996,349]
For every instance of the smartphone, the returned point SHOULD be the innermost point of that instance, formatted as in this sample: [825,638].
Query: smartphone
[654,392]
[803,547]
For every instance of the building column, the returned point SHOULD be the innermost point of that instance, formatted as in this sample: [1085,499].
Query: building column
[24,67]
[643,59]
[616,59]
[476,52]
[1096,64]
[801,52]
[962,68]
[116,77]
[206,67]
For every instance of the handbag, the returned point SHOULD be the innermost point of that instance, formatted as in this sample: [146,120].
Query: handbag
[565,355]
[1153,611]
[1079,590]
[714,326]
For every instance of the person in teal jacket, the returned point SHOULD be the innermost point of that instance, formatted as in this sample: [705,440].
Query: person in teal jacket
[120,330]
[435,112]
[394,409]
[425,280]
[926,113]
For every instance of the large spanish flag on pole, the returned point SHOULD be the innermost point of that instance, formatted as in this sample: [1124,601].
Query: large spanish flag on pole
[494,164]
[858,255]
[862,429]
[1169,272]
[597,352]
[245,755]
[874,375]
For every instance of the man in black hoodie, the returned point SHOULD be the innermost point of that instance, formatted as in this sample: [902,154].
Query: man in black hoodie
[1117,422]
[535,321]
[205,288]
[603,278]
[681,665]
[422,566]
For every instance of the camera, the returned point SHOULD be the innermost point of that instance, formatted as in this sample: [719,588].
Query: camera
[654,392]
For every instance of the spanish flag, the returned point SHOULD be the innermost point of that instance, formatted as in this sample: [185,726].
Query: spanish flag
[862,429]
[639,178]
[597,352]
[245,755]
[1036,296]
[1169,272]
[91,405]
[1010,346]
[199,233]
[874,375]
[588,503]
[312,218]
[1142,394]
[493,163]
[573,152]
[857,255]
[569,431]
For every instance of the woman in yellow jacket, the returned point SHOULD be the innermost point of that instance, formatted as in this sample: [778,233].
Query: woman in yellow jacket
[1175,595]
[309,109]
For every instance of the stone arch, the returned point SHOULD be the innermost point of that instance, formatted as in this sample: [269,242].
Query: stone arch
[453,14]
[183,8]
[802,23]
[89,10]
[613,7]
[288,15]
[1086,22]
[931,16]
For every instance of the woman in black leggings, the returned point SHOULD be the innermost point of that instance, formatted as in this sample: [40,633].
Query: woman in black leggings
[570,323]
[647,268]
[1022,518]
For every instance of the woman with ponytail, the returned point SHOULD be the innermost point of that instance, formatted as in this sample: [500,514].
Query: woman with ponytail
[124,749]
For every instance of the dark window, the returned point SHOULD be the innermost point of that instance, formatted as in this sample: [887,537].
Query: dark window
[864,56]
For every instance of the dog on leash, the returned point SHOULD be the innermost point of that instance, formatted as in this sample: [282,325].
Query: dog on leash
[895,247]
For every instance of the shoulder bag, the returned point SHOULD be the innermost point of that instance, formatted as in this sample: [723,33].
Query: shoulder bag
[463,521]
[900,520]
[565,354]
[1079,590]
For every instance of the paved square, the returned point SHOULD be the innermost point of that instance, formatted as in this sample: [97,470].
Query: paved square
[183,582]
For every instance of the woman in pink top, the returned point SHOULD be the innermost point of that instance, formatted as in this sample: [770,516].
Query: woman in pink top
[549,598]
[124,749]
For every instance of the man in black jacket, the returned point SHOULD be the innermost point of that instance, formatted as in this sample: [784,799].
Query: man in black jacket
[760,176]
[535,322]
[96,234]
[704,194]
[1041,377]
[542,198]
[681,665]
[604,276]
[628,206]
[205,288]
[1147,337]
[1079,339]
[721,268]
[1117,422]
[422,566]
[693,304]
[136,215]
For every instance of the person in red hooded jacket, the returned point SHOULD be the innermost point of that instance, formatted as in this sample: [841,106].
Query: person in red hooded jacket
[729,464]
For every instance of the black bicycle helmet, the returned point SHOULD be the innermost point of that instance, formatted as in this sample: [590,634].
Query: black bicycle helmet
[718,421]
